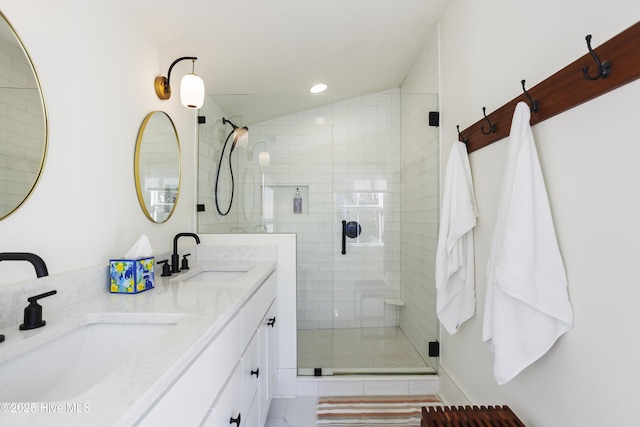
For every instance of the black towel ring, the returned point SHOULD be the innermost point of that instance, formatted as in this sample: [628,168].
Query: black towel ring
[533,105]
[492,126]
[460,137]
[604,67]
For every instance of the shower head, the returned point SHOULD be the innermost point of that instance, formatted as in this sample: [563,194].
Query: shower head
[241,137]
[240,134]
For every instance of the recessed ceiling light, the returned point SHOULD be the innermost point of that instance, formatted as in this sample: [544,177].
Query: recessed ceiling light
[320,87]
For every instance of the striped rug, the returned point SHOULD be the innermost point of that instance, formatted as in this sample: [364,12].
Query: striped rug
[366,411]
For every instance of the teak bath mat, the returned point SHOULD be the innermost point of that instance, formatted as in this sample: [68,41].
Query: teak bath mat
[367,411]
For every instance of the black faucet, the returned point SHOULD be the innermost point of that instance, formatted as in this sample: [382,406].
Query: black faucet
[35,260]
[175,257]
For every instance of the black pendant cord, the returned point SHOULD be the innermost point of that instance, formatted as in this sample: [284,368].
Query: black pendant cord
[215,192]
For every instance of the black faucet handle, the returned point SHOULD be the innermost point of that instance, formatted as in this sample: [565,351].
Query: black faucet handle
[44,295]
[185,262]
[166,268]
[33,312]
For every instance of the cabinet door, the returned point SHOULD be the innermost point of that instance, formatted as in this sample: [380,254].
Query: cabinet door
[267,359]
[271,346]
[252,372]
[256,307]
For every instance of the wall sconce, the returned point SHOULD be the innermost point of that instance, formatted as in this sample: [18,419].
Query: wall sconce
[191,87]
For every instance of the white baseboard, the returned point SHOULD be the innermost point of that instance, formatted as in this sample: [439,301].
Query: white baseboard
[451,392]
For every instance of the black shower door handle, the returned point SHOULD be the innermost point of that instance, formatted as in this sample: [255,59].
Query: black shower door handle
[344,237]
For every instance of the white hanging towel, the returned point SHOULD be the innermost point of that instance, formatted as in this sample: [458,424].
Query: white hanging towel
[455,282]
[527,305]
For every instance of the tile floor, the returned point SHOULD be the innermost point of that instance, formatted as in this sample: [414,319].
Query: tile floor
[296,412]
[359,351]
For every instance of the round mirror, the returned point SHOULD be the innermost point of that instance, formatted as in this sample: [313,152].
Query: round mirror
[23,123]
[157,166]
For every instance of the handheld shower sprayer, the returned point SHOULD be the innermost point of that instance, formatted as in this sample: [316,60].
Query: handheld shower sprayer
[240,139]
[240,134]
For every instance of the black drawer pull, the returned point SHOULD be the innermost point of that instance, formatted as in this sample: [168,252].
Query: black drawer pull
[235,420]
[256,372]
[271,322]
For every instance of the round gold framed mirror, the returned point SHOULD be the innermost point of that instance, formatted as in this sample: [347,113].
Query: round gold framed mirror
[157,166]
[23,123]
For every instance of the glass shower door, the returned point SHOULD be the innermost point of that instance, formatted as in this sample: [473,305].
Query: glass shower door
[366,256]
[349,260]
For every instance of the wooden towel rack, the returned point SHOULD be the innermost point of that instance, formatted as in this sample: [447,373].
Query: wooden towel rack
[565,89]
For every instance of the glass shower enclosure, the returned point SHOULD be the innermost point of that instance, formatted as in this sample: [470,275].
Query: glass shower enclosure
[366,170]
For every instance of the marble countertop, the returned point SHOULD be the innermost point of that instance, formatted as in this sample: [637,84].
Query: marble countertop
[198,309]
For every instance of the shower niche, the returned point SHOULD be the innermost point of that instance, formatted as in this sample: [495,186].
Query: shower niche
[278,199]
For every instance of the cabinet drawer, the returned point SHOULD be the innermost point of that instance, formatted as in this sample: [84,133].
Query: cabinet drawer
[253,312]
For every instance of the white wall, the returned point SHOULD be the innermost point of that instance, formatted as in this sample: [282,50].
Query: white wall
[589,157]
[97,68]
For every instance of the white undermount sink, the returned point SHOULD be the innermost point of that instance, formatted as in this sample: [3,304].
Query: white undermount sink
[69,365]
[217,275]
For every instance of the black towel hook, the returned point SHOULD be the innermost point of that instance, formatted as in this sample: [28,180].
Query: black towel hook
[604,67]
[492,126]
[460,137]
[533,105]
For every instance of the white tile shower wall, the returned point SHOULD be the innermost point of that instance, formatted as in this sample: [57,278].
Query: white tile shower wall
[22,121]
[420,201]
[344,158]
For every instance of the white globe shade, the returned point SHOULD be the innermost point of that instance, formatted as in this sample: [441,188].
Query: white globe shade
[192,91]
[264,158]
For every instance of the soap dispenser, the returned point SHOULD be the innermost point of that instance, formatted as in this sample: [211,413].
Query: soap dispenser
[297,202]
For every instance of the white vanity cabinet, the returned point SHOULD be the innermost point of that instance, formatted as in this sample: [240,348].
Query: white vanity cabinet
[231,382]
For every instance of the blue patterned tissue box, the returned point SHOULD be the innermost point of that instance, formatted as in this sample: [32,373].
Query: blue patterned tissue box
[131,276]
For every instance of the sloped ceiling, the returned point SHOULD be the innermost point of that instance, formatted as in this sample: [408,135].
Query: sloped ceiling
[278,49]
